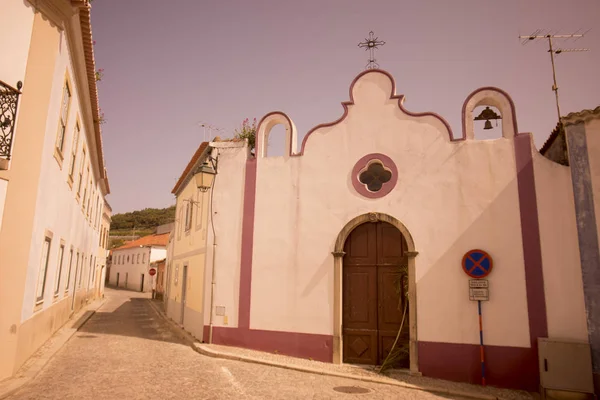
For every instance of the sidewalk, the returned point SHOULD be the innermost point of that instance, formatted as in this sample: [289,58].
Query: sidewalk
[369,374]
[40,358]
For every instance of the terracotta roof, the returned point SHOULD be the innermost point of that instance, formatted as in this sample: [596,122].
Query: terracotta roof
[88,48]
[559,128]
[150,240]
[581,116]
[188,169]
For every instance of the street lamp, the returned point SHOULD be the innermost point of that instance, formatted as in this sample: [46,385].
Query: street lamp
[206,175]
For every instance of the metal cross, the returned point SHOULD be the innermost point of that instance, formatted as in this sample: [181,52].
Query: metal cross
[371,44]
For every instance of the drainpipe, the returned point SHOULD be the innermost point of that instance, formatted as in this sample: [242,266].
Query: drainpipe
[213,278]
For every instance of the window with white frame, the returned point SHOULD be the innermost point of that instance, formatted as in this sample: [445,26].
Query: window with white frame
[188,215]
[41,281]
[77,272]
[143,258]
[69,270]
[74,152]
[82,266]
[64,113]
[81,169]
[61,253]
[138,259]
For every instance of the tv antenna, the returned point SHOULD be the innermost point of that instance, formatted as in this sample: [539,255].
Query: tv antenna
[550,36]
[210,127]
[371,44]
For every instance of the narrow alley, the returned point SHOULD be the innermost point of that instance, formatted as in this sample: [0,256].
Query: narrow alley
[127,351]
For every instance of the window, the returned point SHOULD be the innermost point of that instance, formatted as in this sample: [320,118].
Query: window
[82,166]
[188,215]
[96,214]
[138,259]
[91,272]
[81,271]
[61,253]
[41,281]
[128,258]
[74,152]
[143,258]
[69,271]
[76,270]
[62,126]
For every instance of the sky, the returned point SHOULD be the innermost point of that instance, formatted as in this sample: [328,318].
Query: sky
[170,66]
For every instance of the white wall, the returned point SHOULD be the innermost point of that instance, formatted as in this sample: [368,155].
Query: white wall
[3,187]
[57,209]
[133,268]
[228,203]
[16,20]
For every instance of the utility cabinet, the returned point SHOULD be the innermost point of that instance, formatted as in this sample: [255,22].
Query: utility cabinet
[565,365]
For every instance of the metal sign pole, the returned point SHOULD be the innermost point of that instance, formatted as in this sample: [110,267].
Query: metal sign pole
[481,344]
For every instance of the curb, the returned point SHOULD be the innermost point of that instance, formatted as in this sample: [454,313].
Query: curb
[200,348]
[63,335]
[203,350]
[173,325]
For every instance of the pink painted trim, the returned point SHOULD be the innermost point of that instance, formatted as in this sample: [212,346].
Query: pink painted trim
[247,245]
[530,231]
[345,105]
[302,345]
[481,89]
[386,187]
[509,367]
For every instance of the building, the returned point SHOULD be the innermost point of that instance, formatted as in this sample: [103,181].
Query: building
[186,257]
[103,252]
[131,262]
[316,253]
[53,179]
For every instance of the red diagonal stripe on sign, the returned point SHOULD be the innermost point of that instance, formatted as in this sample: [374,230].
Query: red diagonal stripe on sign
[476,264]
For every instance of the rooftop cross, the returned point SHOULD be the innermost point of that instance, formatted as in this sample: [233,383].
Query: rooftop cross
[371,43]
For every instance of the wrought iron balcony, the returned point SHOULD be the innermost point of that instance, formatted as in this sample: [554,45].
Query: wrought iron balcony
[9,101]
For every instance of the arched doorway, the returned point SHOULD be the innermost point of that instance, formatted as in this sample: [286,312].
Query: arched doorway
[374,295]
[391,224]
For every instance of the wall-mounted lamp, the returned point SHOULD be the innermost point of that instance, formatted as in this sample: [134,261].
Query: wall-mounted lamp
[205,176]
[486,115]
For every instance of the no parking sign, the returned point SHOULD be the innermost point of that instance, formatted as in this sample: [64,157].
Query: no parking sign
[477,263]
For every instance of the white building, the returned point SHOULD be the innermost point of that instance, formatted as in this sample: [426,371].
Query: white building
[52,175]
[131,262]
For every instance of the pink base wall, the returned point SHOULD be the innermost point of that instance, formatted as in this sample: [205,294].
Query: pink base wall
[302,345]
[509,367]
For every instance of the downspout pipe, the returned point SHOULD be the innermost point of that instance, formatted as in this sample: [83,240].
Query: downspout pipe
[214,255]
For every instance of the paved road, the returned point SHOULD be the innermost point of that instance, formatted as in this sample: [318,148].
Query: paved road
[127,351]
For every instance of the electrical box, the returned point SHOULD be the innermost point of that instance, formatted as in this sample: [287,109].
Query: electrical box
[565,365]
[220,311]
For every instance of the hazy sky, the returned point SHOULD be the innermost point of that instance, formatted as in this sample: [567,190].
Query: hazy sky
[170,65]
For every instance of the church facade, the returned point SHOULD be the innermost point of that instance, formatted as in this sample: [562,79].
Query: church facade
[326,251]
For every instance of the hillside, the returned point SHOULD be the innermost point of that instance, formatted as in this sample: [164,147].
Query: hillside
[142,222]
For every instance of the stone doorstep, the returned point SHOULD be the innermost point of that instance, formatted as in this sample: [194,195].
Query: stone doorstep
[34,365]
[203,349]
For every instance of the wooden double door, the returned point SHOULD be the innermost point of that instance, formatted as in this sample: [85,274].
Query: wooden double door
[374,293]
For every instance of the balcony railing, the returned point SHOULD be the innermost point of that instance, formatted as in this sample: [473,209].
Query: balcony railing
[9,101]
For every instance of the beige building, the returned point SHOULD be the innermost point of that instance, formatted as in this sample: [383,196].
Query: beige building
[53,183]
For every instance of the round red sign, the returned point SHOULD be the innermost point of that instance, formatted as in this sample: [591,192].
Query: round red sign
[477,263]
[152,272]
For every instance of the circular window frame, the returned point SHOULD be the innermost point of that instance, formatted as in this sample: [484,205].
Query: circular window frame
[363,163]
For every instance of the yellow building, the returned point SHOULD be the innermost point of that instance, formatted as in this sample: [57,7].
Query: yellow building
[53,183]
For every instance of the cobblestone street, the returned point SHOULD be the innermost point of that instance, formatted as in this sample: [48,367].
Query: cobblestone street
[127,351]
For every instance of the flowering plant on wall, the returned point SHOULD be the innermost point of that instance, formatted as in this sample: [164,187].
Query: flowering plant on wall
[99,74]
[101,118]
[247,131]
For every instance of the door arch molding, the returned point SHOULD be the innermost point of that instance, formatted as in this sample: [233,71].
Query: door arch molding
[338,257]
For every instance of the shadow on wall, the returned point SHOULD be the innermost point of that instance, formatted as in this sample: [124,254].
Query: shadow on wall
[133,318]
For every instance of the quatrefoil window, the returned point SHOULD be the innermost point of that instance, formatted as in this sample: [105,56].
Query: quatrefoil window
[374,176]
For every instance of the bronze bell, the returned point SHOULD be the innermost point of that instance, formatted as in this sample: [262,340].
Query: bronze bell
[486,115]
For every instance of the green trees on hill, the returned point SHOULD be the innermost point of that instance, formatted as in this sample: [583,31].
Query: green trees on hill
[142,221]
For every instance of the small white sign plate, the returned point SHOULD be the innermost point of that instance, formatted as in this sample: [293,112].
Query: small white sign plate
[479,283]
[481,294]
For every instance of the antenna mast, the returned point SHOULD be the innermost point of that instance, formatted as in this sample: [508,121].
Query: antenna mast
[536,35]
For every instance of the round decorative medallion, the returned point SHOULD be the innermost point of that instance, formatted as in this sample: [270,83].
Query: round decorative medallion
[374,175]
